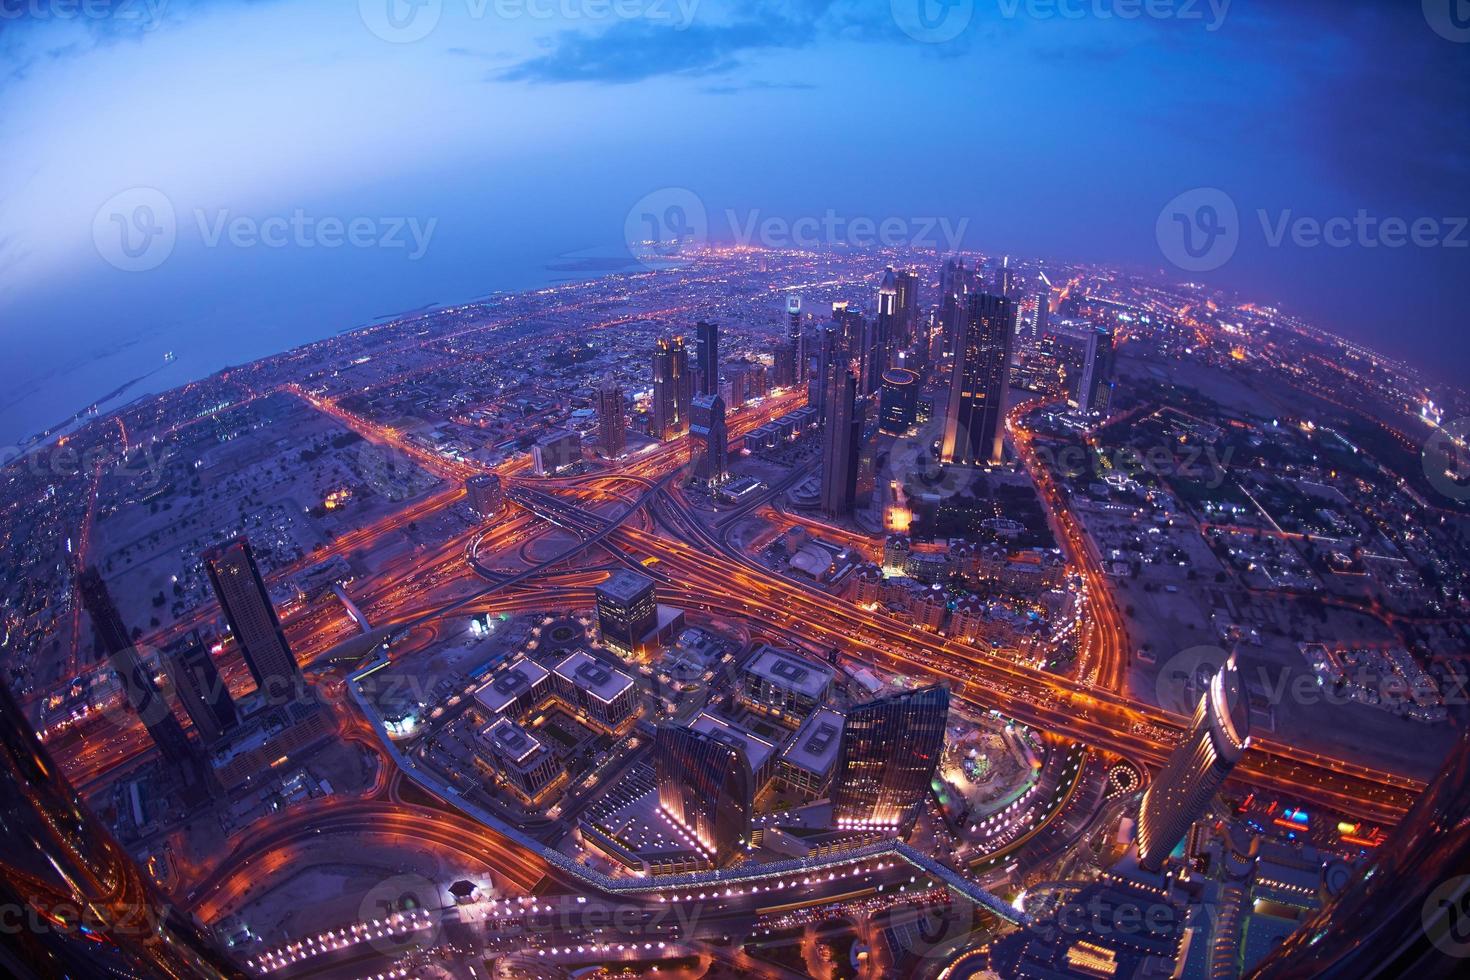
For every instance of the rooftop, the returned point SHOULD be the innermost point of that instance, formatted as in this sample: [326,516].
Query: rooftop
[625,587]
[790,671]
[593,676]
[510,684]
[757,750]
[814,747]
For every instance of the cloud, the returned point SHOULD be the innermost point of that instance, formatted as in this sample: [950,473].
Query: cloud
[759,85]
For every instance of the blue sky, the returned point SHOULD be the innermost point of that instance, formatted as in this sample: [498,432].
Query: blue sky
[524,138]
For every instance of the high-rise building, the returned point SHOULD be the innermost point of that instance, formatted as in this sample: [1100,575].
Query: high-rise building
[198,686]
[709,440]
[890,748]
[1043,305]
[1095,382]
[899,404]
[828,348]
[783,365]
[705,786]
[136,679]
[626,610]
[841,441]
[556,452]
[953,289]
[974,423]
[887,337]
[673,388]
[1003,280]
[906,285]
[247,607]
[486,495]
[62,863]
[707,356]
[796,337]
[612,435]
[1179,794]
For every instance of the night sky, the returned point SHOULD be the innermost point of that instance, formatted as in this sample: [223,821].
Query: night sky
[1052,129]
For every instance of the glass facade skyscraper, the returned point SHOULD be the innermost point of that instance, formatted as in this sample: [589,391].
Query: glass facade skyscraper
[705,785]
[890,748]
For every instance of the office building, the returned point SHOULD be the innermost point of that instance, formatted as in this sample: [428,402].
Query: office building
[673,389]
[842,443]
[806,763]
[954,288]
[626,611]
[57,855]
[829,350]
[886,339]
[257,631]
[556,452]
[1095,382]
[197,684]
[906,295]
[780,683]
[136,678]
[519,758]
[709,447]
[783,365]
[707,357]
[1180,793]
[706,788]
[890,748]
[607,698]
[516,690]
[759,752]
[974,423]
[899,401]
[612,434]
[485,494]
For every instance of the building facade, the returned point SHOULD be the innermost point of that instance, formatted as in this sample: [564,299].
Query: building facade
[253,622]
[890,748]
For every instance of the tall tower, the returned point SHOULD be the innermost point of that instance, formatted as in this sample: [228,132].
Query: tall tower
[1095,381]
[672,388]
[1179,794]
[887,337]
[197,684]
[247,607]
[953,288]
[611,433]
[707,354]
[890,748]
[706,787]
[62,862]
[841,441]
[783,365]
[136,680]
[974,423]
[796,337]
[709,440]
[906,284]
[829,348]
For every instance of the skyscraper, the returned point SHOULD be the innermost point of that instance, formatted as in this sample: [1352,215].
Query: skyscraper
[486,495]
[1179,794]
[887,337]
[706,787]
[906,284]
[899,404]
[829,346]
[1095,381]
[974,423]
[1003,277]
[707,356]
[137,682]
[709,440]
[783,365]
[197,684]
[672,388]
[247,606]
[953,288]
[61,862]
[612,435]
[841,441]
[796,337]
[890,748]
